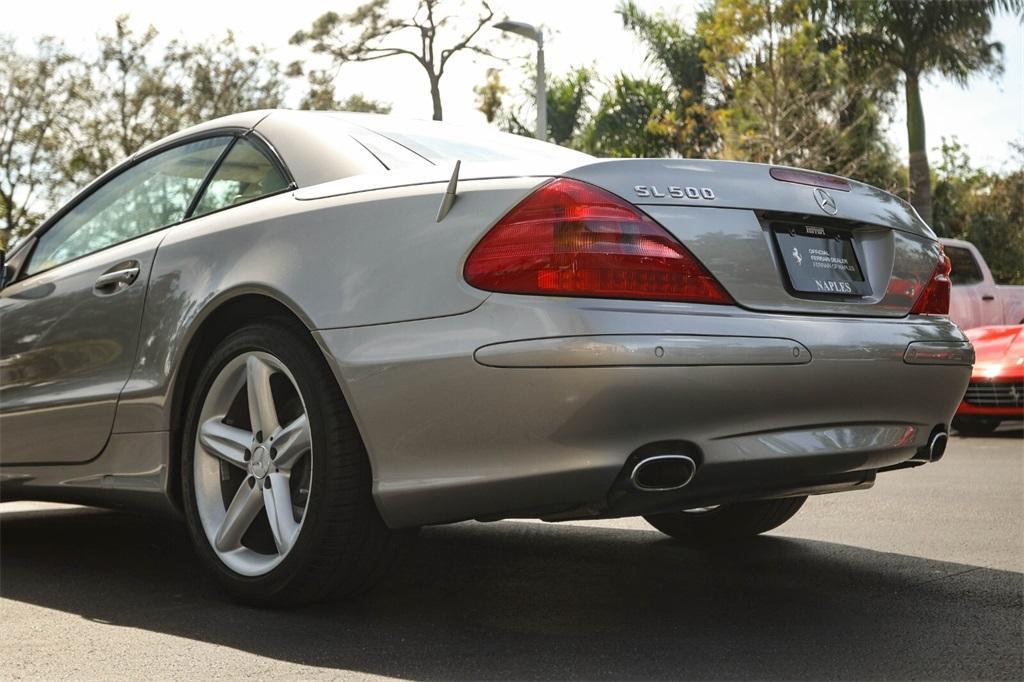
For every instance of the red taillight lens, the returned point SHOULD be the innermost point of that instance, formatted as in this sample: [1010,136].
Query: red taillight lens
[934,300]
[569,238]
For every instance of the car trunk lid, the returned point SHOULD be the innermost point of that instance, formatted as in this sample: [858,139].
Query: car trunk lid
[784,246]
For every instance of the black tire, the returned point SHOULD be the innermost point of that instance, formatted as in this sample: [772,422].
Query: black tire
[343,545]
[975,427]
[728,522]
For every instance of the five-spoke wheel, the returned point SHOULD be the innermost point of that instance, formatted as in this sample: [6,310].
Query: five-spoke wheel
[275,479]
[253,464]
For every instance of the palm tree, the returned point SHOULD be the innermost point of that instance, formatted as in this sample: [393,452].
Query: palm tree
[679,117]
[911,39]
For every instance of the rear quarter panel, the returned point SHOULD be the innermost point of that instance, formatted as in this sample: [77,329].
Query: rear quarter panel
[366,258]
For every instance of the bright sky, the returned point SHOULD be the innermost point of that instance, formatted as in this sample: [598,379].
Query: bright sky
[985,116]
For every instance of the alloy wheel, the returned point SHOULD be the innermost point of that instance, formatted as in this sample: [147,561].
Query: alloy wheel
[253,463]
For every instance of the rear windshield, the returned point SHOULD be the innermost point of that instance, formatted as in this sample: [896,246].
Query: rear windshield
[441,142]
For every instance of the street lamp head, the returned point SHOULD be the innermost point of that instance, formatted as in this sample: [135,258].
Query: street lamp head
[521,28]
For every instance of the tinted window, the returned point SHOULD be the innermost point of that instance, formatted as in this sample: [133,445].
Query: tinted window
[148,196]
[965,269]
[245,174]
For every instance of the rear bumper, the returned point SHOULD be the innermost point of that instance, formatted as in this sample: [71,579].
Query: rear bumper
[531,406]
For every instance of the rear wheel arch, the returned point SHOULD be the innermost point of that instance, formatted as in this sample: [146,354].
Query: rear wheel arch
[221,319]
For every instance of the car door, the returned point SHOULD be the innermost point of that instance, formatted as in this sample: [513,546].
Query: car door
[990,302]
[69,323]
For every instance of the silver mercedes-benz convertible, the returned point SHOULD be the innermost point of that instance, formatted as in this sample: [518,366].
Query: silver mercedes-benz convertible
[309,333]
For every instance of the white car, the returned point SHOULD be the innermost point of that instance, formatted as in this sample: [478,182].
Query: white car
[976,299]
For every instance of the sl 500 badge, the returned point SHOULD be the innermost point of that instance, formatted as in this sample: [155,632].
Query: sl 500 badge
[652,191]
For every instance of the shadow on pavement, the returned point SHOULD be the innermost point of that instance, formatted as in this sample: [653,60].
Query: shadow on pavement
[1010,431]
[529,601]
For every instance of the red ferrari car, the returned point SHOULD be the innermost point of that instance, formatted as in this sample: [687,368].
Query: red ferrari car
[996,391]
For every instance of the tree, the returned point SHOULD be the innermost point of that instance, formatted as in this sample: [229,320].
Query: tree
[322,95]
[668,114]
[489,95]
[788,96]
[626,123]
[40,98]
[368,33]
[139,94]
[67,119]
[223,77]
[132,101]
[568,100]
[914,38]
[568,107]
[677,56]
[984,208]
[361,104]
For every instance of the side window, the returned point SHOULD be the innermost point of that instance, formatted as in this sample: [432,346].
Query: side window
[965,270]
[148,196]
[245,174]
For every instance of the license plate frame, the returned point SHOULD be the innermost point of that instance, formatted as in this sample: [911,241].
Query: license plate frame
[820,260]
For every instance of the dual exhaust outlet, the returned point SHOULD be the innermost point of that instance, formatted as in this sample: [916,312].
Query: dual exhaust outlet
[663,473]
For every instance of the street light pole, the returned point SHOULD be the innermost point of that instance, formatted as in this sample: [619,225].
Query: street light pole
[542,93]
[535,34]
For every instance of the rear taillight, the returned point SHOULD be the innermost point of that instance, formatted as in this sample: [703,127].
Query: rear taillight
[934,300]
[569,238]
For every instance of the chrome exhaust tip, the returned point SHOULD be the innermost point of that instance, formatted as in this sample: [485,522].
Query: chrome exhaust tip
[937,446]
[662,473]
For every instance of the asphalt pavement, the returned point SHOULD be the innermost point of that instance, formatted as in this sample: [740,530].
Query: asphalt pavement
[921,577]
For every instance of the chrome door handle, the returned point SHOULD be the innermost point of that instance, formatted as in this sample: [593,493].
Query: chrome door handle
[116,278]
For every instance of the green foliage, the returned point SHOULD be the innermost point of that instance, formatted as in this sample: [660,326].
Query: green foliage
[322,96]
[137,93]
[886,39]
[668,114]
[69,118]
[665,115]
[568,99]
[984,208]
[489,95]
[685,121]
[40,99]
[224,77]
[359,103]
[789,96]
[627,121]
[568,107]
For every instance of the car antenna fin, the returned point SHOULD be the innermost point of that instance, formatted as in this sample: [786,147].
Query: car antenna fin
[449,194]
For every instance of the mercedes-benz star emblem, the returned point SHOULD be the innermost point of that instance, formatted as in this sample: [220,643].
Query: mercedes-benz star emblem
[825,201]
